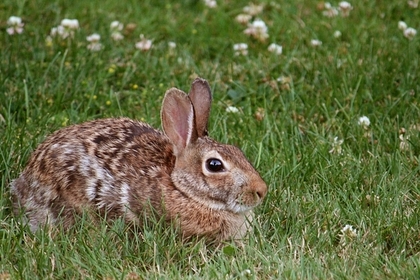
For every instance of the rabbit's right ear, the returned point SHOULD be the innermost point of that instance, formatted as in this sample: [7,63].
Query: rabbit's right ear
[178,121]
[200,95]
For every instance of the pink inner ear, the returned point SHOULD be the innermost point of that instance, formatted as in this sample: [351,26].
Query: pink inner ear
[178,119]
[182,119]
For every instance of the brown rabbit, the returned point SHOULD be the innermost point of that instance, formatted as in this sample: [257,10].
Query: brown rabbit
[120,167]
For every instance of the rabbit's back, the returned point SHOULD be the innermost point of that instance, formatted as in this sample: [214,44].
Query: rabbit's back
[90,166]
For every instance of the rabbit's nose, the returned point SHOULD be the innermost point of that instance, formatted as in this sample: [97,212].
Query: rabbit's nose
[260,189]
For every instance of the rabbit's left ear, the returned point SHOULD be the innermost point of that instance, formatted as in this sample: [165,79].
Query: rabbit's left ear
[200,96]
[177,117]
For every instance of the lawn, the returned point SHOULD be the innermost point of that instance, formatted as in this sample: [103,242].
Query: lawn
[324,101]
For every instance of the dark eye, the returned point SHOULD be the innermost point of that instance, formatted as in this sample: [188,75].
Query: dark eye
[214,165]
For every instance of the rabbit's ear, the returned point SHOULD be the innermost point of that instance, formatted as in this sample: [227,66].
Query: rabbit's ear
[200,95]
[178,119]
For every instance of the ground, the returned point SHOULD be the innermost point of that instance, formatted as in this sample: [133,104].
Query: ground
[329,115]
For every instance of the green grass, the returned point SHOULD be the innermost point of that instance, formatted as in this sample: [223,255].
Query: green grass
[371,70]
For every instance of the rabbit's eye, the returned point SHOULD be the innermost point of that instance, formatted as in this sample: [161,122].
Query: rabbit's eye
[214,165]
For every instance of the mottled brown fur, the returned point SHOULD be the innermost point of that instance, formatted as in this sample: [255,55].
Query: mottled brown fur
[120,167]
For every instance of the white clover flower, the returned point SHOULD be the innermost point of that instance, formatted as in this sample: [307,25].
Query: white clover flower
[13,20]
[276,49]
[404,143]
[409,33]
[243,18]
[329,11]
[257,29]
[95,47]
[315,43]
[246,272]
[337,34]
[54,31]
[348,230]
[336,146]
[94,42]
[94,38]
[172,47]
[413,4]
[364,121]
[345,8]
[240,49]
[402,25]
[59,31]
[15,25]
[116,26]
[210,3]
[144,44]
[65,29]
[117,36]
[70,23]
[253,9]
[260,26]
[232,109]
[347,234]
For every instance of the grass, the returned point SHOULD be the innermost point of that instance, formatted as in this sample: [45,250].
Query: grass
[372,185]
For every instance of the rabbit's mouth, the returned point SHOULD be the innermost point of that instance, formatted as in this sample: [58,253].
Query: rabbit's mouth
[245,202]
[250,197]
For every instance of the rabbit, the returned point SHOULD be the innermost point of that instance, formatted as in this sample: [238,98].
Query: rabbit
[119,167]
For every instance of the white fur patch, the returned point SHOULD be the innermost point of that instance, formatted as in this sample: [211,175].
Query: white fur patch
[125,196]
[237,207]
[85,165]
[91,191]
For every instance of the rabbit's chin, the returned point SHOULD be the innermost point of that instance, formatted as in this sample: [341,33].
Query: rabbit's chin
[233,206]
[239,208]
